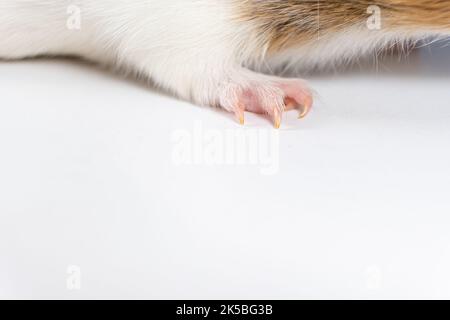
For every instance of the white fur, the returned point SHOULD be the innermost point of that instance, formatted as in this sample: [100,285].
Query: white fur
[193,48]
[345,47]
[189,47]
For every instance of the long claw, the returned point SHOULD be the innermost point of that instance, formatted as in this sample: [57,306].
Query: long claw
[239,112]
[305,108]
[303,111]
[276,118]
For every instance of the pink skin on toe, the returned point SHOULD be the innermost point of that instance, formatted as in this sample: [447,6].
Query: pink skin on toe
[293,94]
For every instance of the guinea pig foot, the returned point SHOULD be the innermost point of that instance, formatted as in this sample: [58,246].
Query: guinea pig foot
[271,97]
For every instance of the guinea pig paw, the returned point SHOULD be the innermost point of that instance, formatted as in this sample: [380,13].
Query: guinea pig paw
[271,96]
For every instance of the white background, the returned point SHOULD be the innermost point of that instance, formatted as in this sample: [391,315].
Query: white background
[359,207]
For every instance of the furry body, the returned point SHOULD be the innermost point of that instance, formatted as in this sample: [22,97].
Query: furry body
[210,51]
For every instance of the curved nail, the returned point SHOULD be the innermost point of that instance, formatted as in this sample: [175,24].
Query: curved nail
[305,108]
[303,111]
[239,115]
[276,118]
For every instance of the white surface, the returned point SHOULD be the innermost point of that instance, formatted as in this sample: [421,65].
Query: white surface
[359,207]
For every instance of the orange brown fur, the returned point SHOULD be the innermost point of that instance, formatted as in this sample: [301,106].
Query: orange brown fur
[285,23]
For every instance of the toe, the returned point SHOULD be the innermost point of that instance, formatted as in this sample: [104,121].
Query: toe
[297,96]
[290,104]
